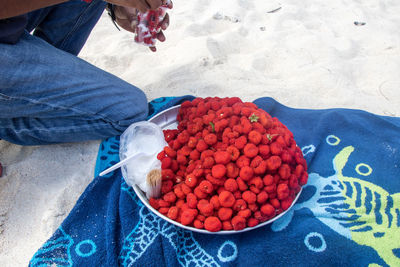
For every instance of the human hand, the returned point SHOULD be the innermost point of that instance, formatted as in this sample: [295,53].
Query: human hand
[126,18]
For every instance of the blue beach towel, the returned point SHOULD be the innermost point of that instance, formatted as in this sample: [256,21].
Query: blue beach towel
[347,215]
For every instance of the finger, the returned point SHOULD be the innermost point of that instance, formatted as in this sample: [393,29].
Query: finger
[143,6]
[154,4]
[165,22]
[161,36]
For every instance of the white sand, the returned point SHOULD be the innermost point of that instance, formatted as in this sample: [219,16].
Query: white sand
[308,54]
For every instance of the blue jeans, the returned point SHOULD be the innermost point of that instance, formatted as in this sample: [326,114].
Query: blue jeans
[48,95]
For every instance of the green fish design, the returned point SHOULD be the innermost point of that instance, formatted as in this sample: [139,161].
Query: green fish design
[377,217]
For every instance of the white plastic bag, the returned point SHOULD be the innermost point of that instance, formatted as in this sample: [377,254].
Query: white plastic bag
[142,141]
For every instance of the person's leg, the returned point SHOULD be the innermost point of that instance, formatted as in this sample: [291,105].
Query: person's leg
[50,96]
[67,25]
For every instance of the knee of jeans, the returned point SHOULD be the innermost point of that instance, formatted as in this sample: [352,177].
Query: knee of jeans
[133,109]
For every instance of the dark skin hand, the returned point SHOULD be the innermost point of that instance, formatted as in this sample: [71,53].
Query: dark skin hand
[125,11]
[127,19]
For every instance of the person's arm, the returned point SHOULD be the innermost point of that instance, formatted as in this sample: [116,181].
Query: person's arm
[12,8]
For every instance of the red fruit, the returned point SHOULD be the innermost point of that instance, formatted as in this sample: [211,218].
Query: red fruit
[254,189]
[191,200]
[239,205]
[249,197]
[246,213]
[191,180]
[206,153]
[214,180]
[163,204]
[286,157]
[226,199]
[240,142]
[205,207]
[198,224]
[181,159]
[199,193]
[263,150]
[227,226]
[257,182]
[293,182]
[241,184]
[246,173]
[238,223]
[210,139]
[273,163]
[166,163]
[231,185]
[261,168]
[160,155]
[178,191]
[246,125]
[208,162]
[250,150]
[170,152]
[222,157]
[186,189]
[170,134]
[170,197]
[163,210]
[275,202]
[254,137]
[283,191]
[187,216]
[251,222]
[285,203]
[201,145]
[256,161]
[232,171]
[198,172]
[166,186]
[201,217]
[183,137]
[220,125]
[276,148]
[173,213]
[284,171]
[268,210]
[234,153]
[303,179]
[206,186]
[154,203]
[214,200]
[167,174]
[268,180]
[262,197]
[218,171]
[192,142]
[243,161]
[224,214]
[299,170]
[212,224]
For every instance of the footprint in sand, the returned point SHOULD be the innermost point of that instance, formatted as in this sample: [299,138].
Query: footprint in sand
[216,52]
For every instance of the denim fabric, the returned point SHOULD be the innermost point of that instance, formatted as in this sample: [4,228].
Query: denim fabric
[50,96]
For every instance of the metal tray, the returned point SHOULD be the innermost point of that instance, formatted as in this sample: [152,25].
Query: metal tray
[167,120]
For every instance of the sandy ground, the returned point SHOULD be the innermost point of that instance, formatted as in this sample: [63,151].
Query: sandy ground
[305,54]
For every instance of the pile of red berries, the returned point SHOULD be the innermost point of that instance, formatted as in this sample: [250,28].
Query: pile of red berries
[227,166]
